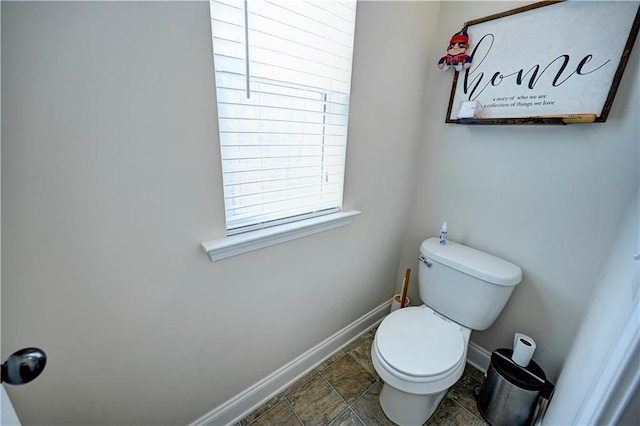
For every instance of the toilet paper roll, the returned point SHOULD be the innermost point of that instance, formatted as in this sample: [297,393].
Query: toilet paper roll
[523,349]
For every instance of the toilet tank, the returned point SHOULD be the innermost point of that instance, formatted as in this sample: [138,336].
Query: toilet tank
[465,285]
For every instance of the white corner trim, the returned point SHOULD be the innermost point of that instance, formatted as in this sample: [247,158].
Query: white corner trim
[618,377]
[247,401]
[8,415]
[254,240]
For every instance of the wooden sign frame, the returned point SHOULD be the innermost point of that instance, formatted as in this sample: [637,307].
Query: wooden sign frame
[552,62]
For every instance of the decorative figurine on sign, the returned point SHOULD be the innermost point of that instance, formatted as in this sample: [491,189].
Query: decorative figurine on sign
[456,53]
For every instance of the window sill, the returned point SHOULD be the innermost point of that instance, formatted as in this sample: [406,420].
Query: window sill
[254,240]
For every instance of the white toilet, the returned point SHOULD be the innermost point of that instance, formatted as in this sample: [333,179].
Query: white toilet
[419,352]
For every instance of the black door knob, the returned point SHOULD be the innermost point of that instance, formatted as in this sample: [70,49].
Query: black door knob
[23,366]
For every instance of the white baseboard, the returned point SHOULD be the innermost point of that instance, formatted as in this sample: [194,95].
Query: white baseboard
[247,401]
[478,357]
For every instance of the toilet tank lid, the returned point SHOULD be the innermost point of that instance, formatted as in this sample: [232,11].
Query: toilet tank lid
[473,262]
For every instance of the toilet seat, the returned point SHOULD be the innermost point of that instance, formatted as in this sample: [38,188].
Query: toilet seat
[419,345]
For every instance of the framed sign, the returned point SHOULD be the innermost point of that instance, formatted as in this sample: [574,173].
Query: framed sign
[546,63]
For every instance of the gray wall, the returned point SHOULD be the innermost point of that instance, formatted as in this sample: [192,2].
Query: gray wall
[111,180]
[548,198]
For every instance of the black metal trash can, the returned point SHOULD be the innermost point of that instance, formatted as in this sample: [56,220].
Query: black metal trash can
[512,394]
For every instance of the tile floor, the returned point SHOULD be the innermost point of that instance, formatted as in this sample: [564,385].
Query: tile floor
[344,390]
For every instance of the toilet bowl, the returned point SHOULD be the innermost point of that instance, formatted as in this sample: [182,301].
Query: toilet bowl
[418,355]
[420,352]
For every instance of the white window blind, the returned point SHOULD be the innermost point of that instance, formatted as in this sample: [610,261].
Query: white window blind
[283,76]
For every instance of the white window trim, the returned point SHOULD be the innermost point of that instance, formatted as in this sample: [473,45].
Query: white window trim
[242,243]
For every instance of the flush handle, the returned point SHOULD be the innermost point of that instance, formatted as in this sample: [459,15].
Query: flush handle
[426,261]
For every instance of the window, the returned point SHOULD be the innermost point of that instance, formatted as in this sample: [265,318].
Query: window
[283,76]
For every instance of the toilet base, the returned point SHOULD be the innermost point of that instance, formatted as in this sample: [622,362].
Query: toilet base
[407,409]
